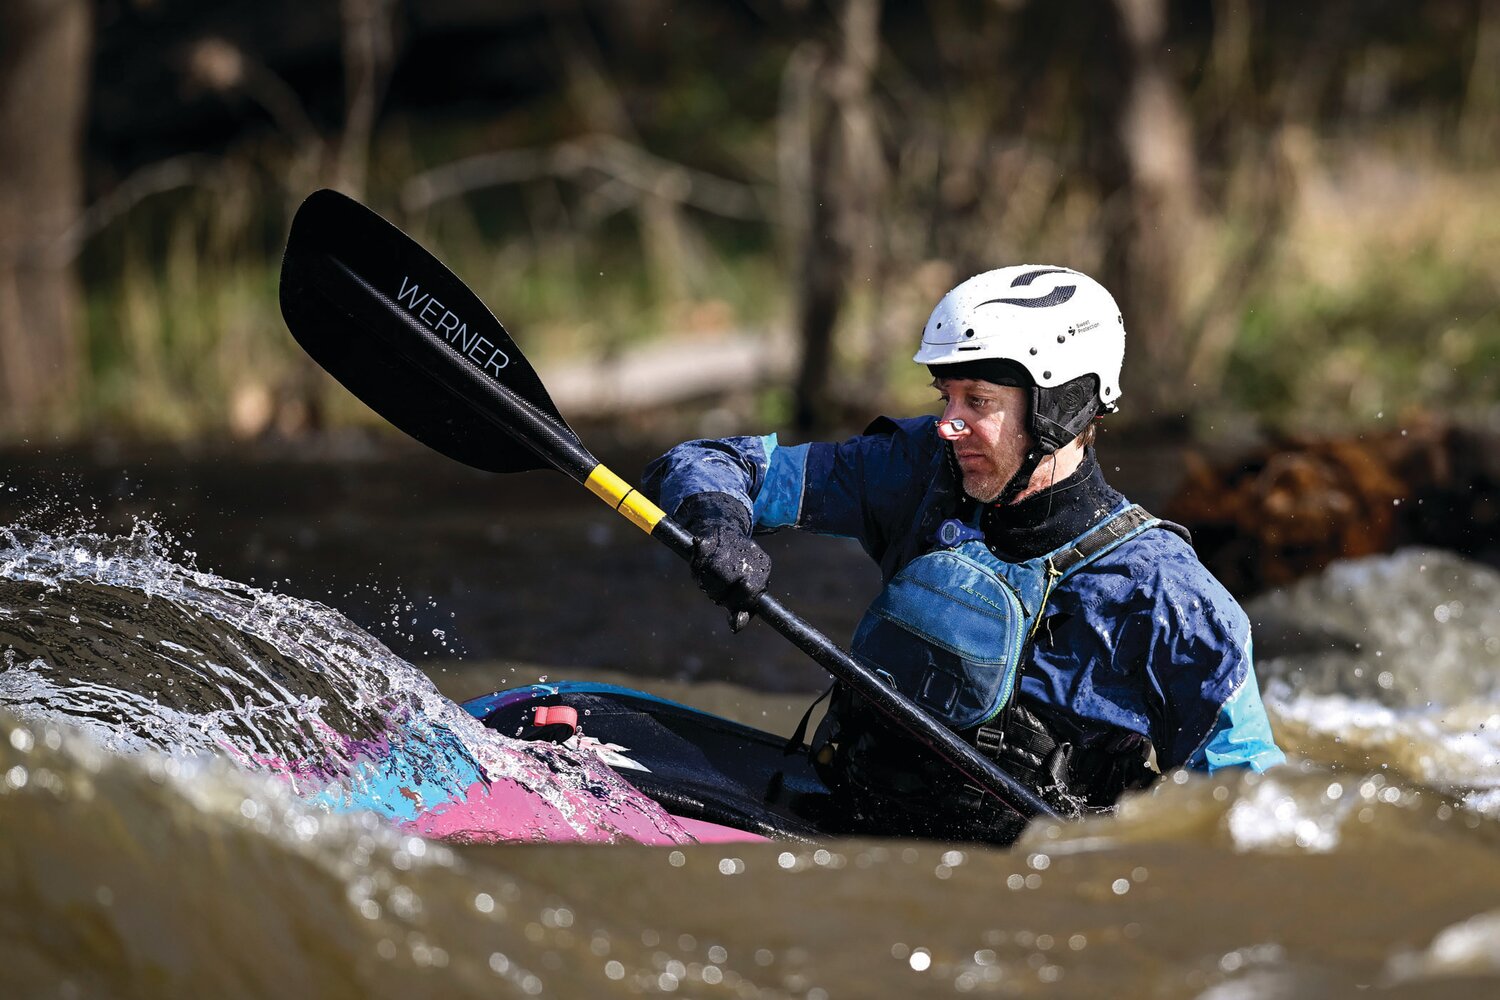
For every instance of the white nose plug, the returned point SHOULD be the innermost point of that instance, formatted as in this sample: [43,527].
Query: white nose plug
[956,424]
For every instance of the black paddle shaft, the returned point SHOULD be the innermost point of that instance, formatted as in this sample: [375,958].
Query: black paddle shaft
[404,334]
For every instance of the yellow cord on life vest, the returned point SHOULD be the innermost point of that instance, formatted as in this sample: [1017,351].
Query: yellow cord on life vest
[1053,575]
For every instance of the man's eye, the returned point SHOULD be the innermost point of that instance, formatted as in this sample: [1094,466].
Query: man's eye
[978,402]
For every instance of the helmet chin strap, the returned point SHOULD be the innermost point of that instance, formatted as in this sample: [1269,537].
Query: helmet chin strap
[1045,435]
[1048,433]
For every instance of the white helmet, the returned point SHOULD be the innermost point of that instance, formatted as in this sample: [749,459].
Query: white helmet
[1056,323]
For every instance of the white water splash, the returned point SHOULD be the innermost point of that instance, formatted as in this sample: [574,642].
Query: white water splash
[114,636]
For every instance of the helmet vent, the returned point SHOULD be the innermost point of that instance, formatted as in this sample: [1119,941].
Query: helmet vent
[1031,276]
[1056,297]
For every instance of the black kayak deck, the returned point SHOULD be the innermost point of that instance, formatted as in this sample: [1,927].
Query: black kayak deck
[693,763]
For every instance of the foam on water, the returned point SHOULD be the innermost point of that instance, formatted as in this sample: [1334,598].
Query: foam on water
[1471,947]
[1389,662]
[1272,814]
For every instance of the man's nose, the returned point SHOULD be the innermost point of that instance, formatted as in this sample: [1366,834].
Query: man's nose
[952,428]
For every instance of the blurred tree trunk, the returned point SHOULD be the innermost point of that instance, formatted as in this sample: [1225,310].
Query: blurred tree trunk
[369,52]
[1478,130]
[44,69]
[843,170]
[1155,213]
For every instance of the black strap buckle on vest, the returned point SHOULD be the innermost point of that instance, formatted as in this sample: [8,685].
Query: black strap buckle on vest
[989,740]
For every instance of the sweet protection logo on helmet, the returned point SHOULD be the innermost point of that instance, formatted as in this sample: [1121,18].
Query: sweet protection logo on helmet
[1056,297]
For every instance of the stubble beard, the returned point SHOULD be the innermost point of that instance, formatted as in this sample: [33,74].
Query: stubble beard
[985,487]
[987,484]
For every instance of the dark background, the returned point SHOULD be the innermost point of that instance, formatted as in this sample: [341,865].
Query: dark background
[714,218]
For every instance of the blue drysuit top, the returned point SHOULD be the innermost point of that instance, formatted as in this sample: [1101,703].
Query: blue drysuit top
[1143,638]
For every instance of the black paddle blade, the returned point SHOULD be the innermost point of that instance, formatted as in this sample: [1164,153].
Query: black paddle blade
[400,331]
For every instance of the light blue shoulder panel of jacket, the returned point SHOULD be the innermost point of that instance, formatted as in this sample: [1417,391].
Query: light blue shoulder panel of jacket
[1241,734]
[1144,639]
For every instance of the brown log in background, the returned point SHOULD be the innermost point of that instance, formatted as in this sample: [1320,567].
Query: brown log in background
[1291,507]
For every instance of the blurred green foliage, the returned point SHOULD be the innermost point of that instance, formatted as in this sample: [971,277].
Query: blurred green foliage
[1352,134]
[1415,330]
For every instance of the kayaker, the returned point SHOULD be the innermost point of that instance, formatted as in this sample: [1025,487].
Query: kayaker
[1028,605]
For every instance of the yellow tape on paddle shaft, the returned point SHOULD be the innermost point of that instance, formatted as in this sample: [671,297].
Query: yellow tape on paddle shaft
[624,498]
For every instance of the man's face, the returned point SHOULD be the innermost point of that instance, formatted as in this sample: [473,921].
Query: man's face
[993,441]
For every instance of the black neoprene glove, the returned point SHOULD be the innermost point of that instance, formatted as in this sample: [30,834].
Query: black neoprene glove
[727,564]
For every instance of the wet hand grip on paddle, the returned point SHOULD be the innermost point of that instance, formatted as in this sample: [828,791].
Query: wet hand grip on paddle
[727,564]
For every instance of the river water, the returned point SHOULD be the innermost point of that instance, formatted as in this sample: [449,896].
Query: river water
[201,794]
